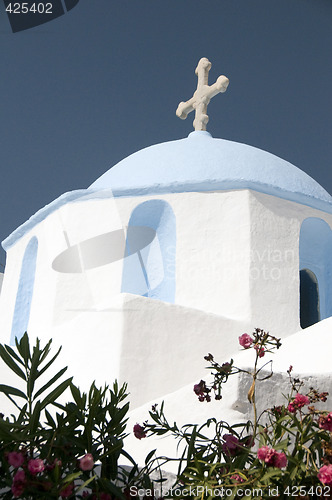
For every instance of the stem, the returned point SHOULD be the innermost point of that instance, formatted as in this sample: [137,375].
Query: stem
[254,396]
[27,374]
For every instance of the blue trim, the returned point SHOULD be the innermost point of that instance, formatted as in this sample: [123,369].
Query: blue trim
[43,213]
[315,255]
[24,291]
[151,271]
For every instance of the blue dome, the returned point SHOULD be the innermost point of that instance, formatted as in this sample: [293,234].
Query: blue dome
[202,163]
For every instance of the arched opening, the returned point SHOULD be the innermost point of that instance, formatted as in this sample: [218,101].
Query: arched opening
[149,264]
[24,291]
[315,257]
[309,298]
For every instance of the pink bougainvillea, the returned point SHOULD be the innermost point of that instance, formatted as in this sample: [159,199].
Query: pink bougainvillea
[35,465]
[202,391]
[86,463]
[139,431]
[19,483]
[237,478]
[260,351]
[298,402]
[15,458]
[325,475]
[271,457]
[245,340]
[230,445]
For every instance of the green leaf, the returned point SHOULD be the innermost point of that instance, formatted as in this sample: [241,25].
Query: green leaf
[11,363]
[33,375]
[149,456]
[49,363]
[50,382]
[23,347]
[50,419]
[6,389]
[14,355]
[191,445]
[293,473]
[76,393]
[86,483]
[5,433]
[56,393]
[34,420]
[283,445]
[129,457]
[46,351]
[271,473]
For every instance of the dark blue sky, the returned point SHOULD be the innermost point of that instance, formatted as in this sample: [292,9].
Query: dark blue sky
[82,92]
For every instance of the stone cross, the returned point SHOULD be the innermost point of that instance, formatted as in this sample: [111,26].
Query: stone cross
[202,96]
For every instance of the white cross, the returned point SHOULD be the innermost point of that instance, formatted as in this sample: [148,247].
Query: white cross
[202,96]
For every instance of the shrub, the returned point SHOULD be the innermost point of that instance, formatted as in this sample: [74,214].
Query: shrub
[288,455]
[72,451]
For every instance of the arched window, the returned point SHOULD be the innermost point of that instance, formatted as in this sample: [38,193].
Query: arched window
[149,264]
[315,260]
[24,291]
[309,298]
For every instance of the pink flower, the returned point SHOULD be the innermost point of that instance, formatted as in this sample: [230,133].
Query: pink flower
[15,458]
[298,402]
[139,431]
[260,351]
[325,474]
[86,462]
[231,444]
[291,408]
[202,391]
[245,340]
[19,476]
[237,478]
[271,457]
[35,465]
[326,422]
[199,389]
[67,490]
[105,496]
[301,400]
[262,453]
[19,483]
[280,460]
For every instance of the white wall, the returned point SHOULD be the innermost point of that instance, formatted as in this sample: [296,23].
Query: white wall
[236,268]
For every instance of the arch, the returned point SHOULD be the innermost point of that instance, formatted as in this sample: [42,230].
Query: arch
[149,264]
[315,256]
[309,299]
[24,291]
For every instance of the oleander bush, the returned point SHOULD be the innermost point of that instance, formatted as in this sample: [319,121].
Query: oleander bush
[284,452]
[51,450]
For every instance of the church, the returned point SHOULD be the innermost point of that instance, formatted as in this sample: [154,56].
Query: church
[175,252]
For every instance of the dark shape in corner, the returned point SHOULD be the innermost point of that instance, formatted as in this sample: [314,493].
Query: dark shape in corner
[39,12]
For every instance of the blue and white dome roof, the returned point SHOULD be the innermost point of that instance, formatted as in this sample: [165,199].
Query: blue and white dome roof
[197,163]
[202,163]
